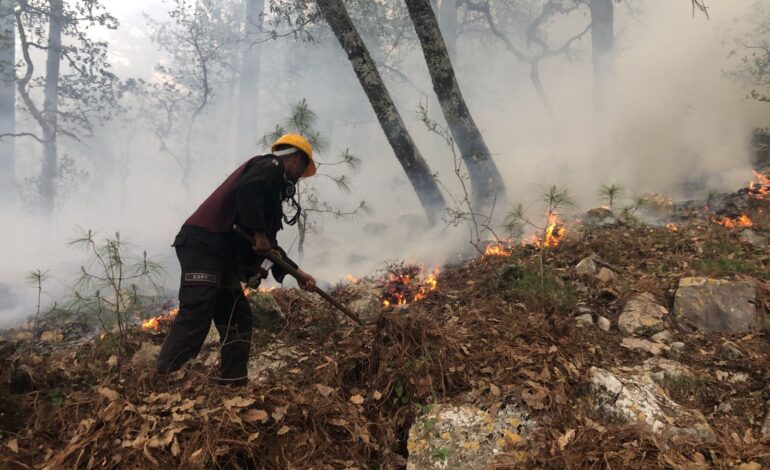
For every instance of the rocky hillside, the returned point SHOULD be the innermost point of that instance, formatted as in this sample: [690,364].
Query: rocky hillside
[624,346]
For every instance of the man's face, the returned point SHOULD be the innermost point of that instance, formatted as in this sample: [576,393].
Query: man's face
[295,166]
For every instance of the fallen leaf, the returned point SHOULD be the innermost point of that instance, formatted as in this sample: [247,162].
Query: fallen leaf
[253,437]
[357,399]
[255,415]
[338,422]
[324,390]
[238,402]
[279,413]
[494,389]
[109,394]
[175,450]
[112,361]
[565,438]
[283,430]
[196,457]
[377,395]
[13,444]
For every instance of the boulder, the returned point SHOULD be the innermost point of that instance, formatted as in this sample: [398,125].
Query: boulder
[644,345]
[753,238]
[586,267]
[146,356]
[268,315]
[600,216]
[449,436]
[606,276]
[716,305]
[367,303]
[636,399]
[603,323]
[730,351]
[642,316]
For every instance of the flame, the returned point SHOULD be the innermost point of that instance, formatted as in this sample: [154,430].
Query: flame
[553,235]
[155,323]
[351,279]
[761,188]
[742,221]
[407,285]
[497,249]
[672,228]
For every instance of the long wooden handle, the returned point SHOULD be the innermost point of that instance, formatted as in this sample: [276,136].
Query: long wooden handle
[276,258]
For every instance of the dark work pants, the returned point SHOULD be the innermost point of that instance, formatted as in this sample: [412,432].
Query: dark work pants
[203,298]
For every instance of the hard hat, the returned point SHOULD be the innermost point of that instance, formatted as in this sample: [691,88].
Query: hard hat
[301,143]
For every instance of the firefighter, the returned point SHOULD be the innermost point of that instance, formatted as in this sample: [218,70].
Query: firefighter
[214,260]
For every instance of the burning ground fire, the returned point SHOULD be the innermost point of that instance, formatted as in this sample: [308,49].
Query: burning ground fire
[406,284]
[743,221]
[155,323]
[761,188]
[554,234]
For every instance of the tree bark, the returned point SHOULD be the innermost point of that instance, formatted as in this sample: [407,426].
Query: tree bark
[603,45]
[486,182]
[398,136]
[7,97]
[49,170]
[249,83]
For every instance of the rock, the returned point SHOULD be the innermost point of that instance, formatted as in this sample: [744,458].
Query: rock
[716,305]
[600,216]
[644,345]
[677,345]
[730,351]
[662,337]
[661,369]
[52,336]
[146,356]
[367,303]
[24,336]
[642,315]
[268,315]
[585,319]
[603,323]
[449,436]
[606,276]
[586,267]
[636,399]
[751,237]
[766,424]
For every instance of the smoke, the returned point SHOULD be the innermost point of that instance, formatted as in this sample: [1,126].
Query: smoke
[675,125]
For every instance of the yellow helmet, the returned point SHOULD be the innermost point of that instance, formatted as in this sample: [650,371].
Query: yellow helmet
[299,142]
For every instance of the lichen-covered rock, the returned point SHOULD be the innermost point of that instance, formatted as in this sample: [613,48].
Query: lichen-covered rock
[367,300]
[449,436]
[663,337]
[585,320]
[606,276]
[642,316]
[644,345]
[716,305]
[636,399]
[586,267]
[146,356]
[661,369]
[267,313]
[603,323]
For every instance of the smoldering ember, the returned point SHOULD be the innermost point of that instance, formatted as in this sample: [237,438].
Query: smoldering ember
[456,234]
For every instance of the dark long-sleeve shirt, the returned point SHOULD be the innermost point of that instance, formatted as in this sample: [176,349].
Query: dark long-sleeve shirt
[251,198]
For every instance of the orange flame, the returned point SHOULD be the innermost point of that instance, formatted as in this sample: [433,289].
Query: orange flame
[155,323]
[351,279]
[553,235]
[742,221]
[497,249]
[761,188]
[405,289]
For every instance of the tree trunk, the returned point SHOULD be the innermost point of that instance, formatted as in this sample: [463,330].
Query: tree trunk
[7,97]
[249,86]
[390,120]
[51,107]
[486,183]
[603,44]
